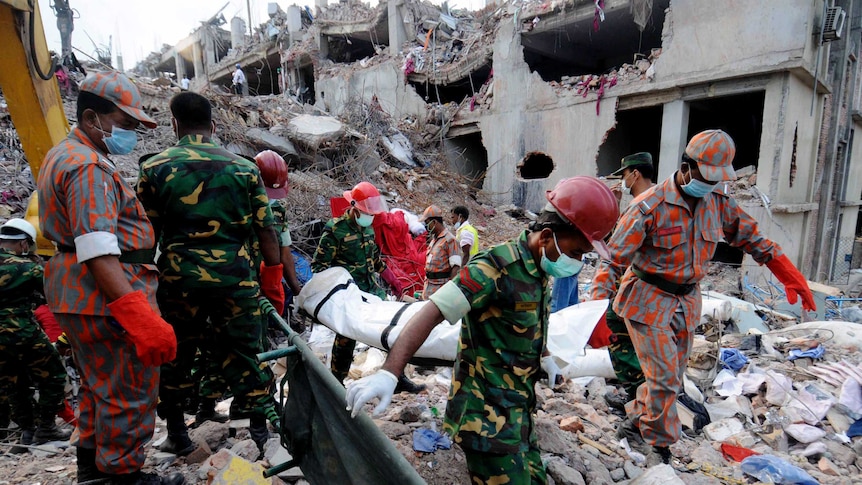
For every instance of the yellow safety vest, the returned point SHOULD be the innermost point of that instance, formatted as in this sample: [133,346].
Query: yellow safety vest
[467,227]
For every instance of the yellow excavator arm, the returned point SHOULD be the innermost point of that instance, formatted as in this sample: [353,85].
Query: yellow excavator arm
[34,102]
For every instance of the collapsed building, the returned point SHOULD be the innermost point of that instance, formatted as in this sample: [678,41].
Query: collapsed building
[523,94]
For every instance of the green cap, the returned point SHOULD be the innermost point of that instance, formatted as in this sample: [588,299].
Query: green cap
[634,160]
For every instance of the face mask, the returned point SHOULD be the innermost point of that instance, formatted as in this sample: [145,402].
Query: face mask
[625,186]
[119,141]
[428,226]
[457,224]
[364,220]
[563,267]
[696,188]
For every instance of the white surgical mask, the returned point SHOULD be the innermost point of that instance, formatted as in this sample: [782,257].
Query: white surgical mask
[364,220]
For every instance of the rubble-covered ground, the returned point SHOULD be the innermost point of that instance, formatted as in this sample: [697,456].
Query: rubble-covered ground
[800,411]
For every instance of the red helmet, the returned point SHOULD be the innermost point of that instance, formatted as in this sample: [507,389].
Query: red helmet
[589,205]
[273,170]
[366,198]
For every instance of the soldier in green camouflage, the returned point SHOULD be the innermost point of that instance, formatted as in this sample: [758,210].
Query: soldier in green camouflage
[348,241]
[501,298]
[207,204]
[26,354]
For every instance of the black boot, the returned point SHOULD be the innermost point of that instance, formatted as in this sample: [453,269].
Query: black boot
[406,385]
[258,431]
[178,441]
[206,412]
[49,431]
[87,470]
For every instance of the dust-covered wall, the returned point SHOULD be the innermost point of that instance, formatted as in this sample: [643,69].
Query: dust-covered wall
[385,80]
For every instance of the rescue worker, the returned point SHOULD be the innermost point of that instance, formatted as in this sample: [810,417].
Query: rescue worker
[101,283]
[348,241]
[661,247]
[501,298]
[466,235]
[635,174]
[25,350]
[443,258]
[273,169]
[238,81]
[206,203]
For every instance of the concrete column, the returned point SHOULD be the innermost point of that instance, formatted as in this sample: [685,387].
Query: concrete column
[181,67]
[198,60]
[209,50]
[321,4]
[397,32]
[237,32]
[294,19]
[674,137]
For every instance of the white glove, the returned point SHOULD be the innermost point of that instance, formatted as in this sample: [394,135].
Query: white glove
[550,366]
[380,385]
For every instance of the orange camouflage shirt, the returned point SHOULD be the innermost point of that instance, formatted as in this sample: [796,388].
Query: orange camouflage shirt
[661,235]
[81,192]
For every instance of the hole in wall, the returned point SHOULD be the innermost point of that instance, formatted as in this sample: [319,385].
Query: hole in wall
[456,91]
[535,165]
[468,157]
[558,46]
[344,49]
[637,130]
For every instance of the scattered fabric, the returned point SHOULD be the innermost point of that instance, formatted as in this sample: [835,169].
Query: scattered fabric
[855,429]
[428,441]
[815,353]
[771,469]
[736,453]
[733,359]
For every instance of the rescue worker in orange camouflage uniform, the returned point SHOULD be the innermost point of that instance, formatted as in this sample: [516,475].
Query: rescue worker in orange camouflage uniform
[101,284]
[443,259]
[662,246]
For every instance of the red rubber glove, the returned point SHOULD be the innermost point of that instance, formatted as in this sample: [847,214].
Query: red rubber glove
[793,281]
[270,285]
[154,339]
[392,280]
[601,336]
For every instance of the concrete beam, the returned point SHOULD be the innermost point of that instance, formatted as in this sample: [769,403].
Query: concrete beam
[397,32]
[674,130]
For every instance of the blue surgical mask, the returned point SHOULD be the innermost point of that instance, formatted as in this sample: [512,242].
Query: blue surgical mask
[563,267]
[696,188]
[119,141]
[364,220]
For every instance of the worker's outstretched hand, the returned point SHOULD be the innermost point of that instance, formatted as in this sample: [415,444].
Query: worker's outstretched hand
[154,339]
[795,285]
[549,365]
[270,285]
[380,385]
[389,277]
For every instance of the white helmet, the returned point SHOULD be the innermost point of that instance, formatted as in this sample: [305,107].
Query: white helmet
[18,229]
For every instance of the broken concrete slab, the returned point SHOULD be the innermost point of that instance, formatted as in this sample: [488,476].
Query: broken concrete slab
[562,473]
[271,141]
[314,131]
[723,429]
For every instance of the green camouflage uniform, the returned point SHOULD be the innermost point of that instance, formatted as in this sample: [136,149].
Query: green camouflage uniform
[503,336]
[207,201]
[344,243]
[279,216]
[623,356]
[26,354]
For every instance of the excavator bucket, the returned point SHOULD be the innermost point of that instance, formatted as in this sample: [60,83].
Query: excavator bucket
[324,441]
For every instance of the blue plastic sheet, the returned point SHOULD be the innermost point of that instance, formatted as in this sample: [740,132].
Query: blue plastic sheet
[303,267]
[855,429]
[733,359]
[772,469]
[428,441]
[815,353]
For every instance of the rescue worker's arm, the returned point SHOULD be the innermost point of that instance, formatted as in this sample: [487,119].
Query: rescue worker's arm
[146,192]
[466,243]
[290,270]
[627,238]
[455,259]
[327,248]
[740,230]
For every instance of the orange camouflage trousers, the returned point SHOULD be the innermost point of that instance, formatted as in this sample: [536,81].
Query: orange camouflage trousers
[118,395]
[663,351]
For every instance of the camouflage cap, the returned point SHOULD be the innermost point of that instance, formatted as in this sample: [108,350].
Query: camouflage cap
[119,90]
[634,160]
[713,150]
